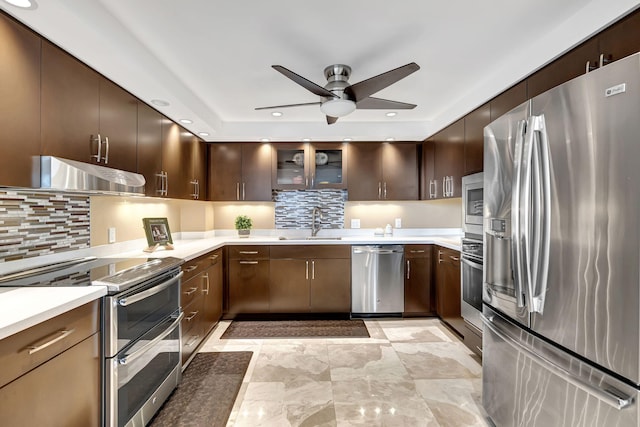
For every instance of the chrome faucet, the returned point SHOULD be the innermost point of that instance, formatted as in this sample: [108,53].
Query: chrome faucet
[315,212]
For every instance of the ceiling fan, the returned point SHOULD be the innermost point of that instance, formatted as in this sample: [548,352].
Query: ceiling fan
[339,98]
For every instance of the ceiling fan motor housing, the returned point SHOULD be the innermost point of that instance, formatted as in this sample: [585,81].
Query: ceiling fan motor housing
[337,76]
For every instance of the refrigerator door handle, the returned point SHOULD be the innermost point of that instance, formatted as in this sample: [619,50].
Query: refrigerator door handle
[526,214]
[516,247]
[616,400]
[542,217]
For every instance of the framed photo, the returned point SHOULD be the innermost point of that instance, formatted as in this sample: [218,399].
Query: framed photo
[157,231]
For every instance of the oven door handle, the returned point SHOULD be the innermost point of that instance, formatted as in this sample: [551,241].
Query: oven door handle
[471,263]
[133,356]
[132,299]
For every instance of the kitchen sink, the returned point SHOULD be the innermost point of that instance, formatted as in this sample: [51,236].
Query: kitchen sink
[309,238]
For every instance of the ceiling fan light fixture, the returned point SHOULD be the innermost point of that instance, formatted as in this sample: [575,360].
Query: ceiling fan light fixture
[276,114]
[391,114]
[23,4]
[338,107]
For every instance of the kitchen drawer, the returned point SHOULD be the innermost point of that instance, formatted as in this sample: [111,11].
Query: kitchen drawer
[310,251]
[417,251]
[192,330]
[446,255]
[25,350]
[198,265]
[190,290]
[473,338]
[193,313]
[248,252]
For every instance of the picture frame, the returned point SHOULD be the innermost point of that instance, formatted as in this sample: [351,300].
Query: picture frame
[157,232]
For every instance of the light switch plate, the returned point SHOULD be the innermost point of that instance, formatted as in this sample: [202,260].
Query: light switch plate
[398,223]
[355,223]
[112,234]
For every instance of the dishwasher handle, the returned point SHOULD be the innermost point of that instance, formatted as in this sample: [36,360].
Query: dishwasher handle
[379,251]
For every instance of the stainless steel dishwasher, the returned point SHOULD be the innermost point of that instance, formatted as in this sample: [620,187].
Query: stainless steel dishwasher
[377,280]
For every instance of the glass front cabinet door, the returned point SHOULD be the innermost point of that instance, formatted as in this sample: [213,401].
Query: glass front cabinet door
[309,166]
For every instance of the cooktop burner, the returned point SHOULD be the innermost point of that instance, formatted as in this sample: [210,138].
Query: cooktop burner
[115,273]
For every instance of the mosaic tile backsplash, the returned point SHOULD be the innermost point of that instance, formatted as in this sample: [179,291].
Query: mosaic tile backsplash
[35,223]
[293,208]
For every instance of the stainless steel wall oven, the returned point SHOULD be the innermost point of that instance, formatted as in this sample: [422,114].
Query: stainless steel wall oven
[472,203]
[142,340]
[471,280]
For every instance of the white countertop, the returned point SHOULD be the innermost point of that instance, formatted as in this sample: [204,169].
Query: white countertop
[21,308]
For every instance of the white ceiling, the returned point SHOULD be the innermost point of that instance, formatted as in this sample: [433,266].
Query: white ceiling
[212,59]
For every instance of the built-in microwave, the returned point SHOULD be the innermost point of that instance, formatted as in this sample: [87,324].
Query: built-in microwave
[472,203]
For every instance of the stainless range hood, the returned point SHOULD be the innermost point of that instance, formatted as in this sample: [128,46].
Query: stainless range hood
[69,175]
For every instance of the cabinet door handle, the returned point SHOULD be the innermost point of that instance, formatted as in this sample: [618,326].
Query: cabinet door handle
[313,270]
[248,262]
[192,316]
[243,193]
[439,257]
[237,191]
[379,190]
[106,150]
[385,189]
[408,269]
[451,189]
[205,276]
[190,291]
[444,186]
[306,274]
[195,189]
[190,268]
[49,340]
[604,61]
[98,156]
[166,183]
[248,252]
[433,184]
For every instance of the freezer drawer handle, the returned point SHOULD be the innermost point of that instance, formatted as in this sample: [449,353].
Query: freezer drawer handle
[615,400]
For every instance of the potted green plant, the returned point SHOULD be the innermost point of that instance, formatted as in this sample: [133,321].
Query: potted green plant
[243,225]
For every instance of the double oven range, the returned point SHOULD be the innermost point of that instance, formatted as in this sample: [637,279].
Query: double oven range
[141,328]
[471,264]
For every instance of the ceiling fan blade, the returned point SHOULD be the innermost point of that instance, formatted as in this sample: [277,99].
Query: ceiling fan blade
[331,120]
[307,84]
[288,105]
[363,89]
[371,103]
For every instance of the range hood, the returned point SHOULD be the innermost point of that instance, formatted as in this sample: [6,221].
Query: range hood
[69,175]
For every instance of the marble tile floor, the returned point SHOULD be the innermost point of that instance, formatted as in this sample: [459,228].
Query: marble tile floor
[410,372]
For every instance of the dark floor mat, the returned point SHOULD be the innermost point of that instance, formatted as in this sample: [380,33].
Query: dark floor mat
[297,329]
[207,392]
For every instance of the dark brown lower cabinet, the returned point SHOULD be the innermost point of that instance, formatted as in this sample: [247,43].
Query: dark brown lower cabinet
[192,324]
[419,292]
[314,278]
[447,274]
[473,338]
[212,282]
[331,285]
[248,280]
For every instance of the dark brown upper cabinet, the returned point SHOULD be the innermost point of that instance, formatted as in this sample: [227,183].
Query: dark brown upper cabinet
[19,102]
[383,171]
[196,166]
[508,100]
[621,39]
[85,117]
[474,124]
[175,180]
[240,171]
[150,148]
[448,162]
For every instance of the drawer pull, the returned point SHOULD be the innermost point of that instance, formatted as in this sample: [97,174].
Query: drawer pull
[190,291]
[454,258]
[190,268]
[190,318]
[414,251]
[248,252]
[50,340]
[213,257]
[479,349]
[248,262]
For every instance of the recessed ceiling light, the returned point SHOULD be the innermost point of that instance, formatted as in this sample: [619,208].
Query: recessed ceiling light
[276,114]
[264,139]
[203,133]
[24,4]
[347,139]
[160,102]
[391,114]
[389,139]
[186,121]
[306,139]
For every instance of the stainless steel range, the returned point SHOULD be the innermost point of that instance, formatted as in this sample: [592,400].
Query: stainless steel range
[140,323]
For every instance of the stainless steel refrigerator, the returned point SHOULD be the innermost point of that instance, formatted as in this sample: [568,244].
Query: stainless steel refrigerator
[561,283]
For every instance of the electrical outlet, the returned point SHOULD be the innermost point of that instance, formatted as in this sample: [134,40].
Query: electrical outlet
[355,223]
[398,223]
[111,231]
